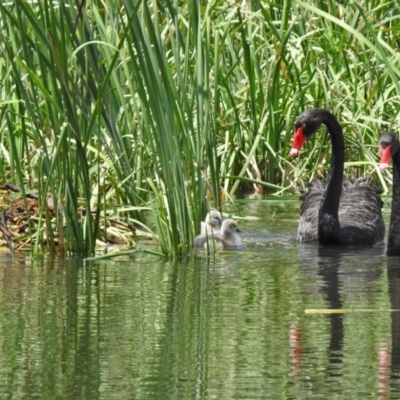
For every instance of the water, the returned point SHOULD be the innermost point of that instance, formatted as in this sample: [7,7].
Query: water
[252,324]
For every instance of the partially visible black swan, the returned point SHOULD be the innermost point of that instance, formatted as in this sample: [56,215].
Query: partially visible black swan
[339,212]
[389,149]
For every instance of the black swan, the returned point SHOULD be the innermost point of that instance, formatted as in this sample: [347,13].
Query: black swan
[226,239]
[339,212]
[388,147]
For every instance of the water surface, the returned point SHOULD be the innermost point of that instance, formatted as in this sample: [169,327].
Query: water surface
[250,324]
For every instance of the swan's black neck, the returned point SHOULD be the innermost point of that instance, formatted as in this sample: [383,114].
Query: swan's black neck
[329,227]
[393,246]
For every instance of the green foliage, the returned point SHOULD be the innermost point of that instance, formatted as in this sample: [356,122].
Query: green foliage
[168,105]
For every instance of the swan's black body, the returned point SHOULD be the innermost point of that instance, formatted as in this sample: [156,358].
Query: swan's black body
[336,213]
[389,148]
[359,215]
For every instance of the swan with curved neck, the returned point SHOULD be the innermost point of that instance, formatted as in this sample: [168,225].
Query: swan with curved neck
[389,149]
[339,212]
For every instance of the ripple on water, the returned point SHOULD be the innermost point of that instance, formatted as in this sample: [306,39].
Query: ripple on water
[233,326]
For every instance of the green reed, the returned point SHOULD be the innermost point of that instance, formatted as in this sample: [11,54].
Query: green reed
[174,107]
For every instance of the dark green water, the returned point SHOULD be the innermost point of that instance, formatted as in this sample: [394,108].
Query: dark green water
[238,327]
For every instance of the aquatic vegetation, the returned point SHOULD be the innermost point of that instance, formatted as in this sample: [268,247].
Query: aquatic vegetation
[176,106]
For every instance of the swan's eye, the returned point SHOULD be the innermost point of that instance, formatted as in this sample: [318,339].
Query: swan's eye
[298,126]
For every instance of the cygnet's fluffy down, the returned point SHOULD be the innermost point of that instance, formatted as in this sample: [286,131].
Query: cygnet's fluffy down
[226,239]
[212,224]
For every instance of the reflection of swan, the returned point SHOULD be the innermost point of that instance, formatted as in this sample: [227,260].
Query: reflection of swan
[329,263]
[339,274]
[226,239]
[389,146]
[393,274]
[212,223]
[355,266]
[337,213]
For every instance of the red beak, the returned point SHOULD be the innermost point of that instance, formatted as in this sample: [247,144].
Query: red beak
[386,154]
[298,141]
